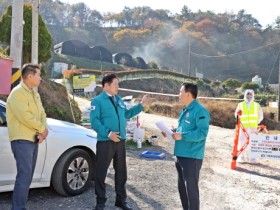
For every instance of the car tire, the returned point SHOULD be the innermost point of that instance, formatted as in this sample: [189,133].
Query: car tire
[72,173]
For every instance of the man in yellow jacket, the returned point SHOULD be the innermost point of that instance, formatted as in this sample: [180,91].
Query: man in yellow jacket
[252,115]
[27,126]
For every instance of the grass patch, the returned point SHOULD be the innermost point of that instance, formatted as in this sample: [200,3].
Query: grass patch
[56,112]
[221,112]
[131,145]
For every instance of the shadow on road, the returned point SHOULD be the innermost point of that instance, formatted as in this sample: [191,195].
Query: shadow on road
[256,170]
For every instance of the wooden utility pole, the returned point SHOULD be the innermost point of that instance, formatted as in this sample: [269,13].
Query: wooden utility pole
[16,40]
[35,30]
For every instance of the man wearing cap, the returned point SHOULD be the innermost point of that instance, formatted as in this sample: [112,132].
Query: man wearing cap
[252,115]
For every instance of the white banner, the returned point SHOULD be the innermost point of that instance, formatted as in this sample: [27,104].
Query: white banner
[265,146]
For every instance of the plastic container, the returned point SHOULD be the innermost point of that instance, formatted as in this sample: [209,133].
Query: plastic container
[139,143]
[151,154]
[138,133]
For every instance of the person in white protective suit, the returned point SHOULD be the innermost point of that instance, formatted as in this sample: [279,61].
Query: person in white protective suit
[252,115]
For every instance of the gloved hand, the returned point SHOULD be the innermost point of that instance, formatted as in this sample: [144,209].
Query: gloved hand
[239,112]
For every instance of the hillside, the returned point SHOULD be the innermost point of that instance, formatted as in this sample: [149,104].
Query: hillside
[155,85]
[211,41]
[221,46]
[207,57]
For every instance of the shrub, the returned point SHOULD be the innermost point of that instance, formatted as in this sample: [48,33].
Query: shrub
[152,65]
[231,84]
[264,99]
[221,112]
[202,85]
[250,85]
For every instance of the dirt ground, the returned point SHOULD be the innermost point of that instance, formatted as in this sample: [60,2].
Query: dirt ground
[250,186]
[152,184]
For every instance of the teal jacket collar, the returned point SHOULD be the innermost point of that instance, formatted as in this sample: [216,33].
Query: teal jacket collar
[191,106]
[106,96]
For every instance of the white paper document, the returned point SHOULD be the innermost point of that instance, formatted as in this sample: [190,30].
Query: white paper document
[162,126]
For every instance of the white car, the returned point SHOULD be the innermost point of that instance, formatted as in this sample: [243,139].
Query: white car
[66,160]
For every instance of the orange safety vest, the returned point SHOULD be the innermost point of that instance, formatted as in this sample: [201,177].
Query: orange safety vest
[249,117]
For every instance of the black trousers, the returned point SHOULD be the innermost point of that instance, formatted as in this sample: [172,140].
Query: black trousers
[188,176]
[106,152]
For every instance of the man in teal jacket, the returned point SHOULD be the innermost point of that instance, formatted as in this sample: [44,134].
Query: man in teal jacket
[190,138]
[108,118]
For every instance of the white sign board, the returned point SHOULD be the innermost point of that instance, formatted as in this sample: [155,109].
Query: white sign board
[84,83]
[60,67]
[199,75]
[265,146]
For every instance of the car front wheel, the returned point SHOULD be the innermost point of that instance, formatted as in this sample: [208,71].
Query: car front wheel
[72,172]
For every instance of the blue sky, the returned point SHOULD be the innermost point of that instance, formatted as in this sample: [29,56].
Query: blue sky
[264,11]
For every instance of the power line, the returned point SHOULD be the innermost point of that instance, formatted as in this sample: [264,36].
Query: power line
[233,54]
[273,66]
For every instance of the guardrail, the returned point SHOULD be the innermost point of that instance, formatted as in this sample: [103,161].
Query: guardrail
[149,74]
[142,74]
[174,95]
